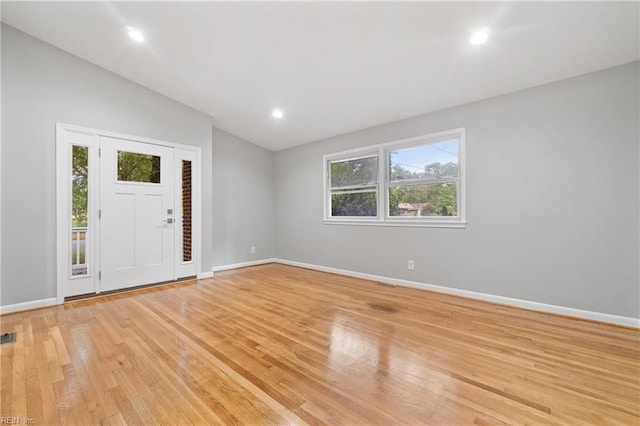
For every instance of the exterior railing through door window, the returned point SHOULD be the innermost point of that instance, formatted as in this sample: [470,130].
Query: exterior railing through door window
[78,251]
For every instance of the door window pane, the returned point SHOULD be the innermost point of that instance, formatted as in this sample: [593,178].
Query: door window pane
[134,167]
[79,209]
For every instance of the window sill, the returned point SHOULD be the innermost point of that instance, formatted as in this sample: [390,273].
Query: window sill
[396,223]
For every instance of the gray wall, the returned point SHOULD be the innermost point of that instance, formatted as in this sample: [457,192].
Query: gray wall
[552,185]
[43,85]
[552,199]
[243,213]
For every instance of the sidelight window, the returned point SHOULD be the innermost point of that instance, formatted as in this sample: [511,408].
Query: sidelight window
[79,210]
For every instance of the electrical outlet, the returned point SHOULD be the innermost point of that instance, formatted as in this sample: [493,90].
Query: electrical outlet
[253,250]
[410,265]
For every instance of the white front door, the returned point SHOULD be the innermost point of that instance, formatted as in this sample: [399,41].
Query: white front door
[137,219]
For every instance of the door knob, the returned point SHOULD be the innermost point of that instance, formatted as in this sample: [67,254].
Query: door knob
[169,220]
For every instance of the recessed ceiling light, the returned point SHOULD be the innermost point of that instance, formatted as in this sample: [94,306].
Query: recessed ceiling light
[135,34]
[479,36]
[277,113]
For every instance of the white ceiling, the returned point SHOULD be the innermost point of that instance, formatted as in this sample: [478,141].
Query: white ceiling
[333,67]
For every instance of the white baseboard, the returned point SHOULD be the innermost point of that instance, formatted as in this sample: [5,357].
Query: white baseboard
[204,275]
[536,306]
[25,306]
[242,265]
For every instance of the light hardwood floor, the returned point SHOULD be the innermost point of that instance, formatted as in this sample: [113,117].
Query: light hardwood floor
[275,344]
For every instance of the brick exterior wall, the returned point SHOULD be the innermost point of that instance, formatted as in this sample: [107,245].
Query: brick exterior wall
[186,211]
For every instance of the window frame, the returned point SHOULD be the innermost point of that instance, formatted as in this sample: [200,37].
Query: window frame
[346,156]
[382,151]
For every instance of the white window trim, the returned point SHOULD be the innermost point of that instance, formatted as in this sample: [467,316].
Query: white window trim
[383,218]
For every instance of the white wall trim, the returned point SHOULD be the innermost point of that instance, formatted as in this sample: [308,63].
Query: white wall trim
[396,223]
[535,306]
[203,275]
[244,264]
[25,306]
[125,136]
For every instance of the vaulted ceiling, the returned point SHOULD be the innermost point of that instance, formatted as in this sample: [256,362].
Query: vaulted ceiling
[333,67]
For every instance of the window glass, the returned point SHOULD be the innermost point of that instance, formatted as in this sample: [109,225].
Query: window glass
[134,167]
[432,161]
[79,209]
[438,199]
[186,211]
[349,203]
[354,190]
[354,172]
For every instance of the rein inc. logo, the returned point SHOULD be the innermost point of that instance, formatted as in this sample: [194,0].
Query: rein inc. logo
[17,421]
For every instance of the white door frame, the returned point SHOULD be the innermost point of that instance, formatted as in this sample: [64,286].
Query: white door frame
[68,135]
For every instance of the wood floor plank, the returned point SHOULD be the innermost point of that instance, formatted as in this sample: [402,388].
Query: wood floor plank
[275,344]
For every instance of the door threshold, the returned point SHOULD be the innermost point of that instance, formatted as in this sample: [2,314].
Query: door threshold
[126,290]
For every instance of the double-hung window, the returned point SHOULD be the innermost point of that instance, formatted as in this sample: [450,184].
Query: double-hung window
[416,182]
[353,186]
